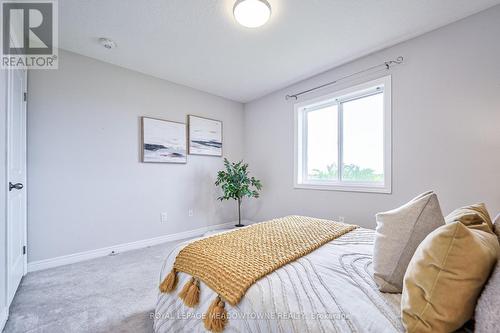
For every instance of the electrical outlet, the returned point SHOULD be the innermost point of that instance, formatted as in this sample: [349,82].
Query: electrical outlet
[164,217]
[190,213]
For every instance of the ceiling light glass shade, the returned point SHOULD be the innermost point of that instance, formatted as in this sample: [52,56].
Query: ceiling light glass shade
[252,13]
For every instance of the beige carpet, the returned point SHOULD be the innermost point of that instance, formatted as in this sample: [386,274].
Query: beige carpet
[110,294]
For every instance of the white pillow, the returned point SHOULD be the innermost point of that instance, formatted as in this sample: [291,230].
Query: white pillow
[398,234]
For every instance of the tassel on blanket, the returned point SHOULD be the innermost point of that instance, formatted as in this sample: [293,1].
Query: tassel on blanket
[190,293]
[216,317]
[170,282]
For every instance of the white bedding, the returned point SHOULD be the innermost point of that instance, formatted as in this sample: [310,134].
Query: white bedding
[328,290]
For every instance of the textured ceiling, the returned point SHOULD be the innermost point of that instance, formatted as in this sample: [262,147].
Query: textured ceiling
[197,43]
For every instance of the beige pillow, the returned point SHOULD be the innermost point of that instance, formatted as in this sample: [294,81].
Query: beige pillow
[398,234]
[445,278]
[472,216]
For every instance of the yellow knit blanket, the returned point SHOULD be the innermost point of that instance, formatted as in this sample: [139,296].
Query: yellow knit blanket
[231,262]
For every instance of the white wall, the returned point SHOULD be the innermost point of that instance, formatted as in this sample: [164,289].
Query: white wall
[88,189]
[446,128]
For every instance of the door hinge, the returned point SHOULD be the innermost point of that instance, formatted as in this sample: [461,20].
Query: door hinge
[24,249]
[25,96]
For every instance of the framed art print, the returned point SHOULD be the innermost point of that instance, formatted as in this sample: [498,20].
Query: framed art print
[163,141]
[205,136]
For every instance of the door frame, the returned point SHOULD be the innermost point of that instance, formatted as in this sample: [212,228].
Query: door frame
[8,283]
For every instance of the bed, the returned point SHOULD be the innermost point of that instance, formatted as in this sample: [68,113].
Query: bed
[328,290]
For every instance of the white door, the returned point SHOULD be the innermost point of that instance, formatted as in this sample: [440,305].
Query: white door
[16,178]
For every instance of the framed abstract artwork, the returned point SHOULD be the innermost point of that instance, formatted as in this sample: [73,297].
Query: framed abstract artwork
[205,136]
[163,141]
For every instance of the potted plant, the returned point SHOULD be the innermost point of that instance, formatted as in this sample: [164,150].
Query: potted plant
[236,184]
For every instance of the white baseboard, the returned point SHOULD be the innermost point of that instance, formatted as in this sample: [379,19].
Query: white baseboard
[102,252]
[4,315]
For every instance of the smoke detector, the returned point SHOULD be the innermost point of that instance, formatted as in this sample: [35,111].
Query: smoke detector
[107,43]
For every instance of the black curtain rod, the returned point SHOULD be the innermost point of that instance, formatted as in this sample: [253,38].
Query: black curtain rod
[386,64]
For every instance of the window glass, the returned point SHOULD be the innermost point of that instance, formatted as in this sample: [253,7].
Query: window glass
[322,143]
[363,139]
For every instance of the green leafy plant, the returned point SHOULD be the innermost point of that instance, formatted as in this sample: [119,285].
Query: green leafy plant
[354,172]
[236,184]
[331,172]
[349,172]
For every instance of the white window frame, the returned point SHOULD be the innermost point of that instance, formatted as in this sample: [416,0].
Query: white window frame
[300,141]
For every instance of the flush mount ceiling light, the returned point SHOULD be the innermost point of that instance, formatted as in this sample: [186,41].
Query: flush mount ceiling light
[252,13]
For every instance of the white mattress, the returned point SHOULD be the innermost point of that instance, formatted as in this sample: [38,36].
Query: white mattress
[328,290]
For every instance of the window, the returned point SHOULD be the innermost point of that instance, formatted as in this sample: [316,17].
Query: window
[343,140]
